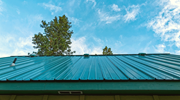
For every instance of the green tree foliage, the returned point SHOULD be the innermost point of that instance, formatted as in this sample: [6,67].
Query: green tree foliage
[107,51]
[56,37]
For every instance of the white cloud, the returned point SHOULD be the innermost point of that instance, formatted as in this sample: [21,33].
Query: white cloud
[177,52]
[23,46]
[93,1]
[13,46]
[131,12]
[94,45]
[20,41]
[81,47]
[24,42]
[160,48]
[107,18]
[52,7]
[115,7]
[167,23]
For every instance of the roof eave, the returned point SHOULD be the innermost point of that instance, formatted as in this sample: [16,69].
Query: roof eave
[171,87]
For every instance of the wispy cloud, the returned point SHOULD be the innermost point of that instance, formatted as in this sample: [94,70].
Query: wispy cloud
[115,7]
[52,7]
[95,45]
[74,20]
[131,12]
[167,23]
[24,2]
[18,11]
[177,52]
[1,2]
[71,2]
[32,21]
[104,16]
[147,47]
[1,8]
[88,26]
[81,47]
[160,48]
[93,1]
[15,46]
[19,41]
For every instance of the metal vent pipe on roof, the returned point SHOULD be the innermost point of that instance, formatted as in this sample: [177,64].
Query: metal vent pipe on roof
[13,64]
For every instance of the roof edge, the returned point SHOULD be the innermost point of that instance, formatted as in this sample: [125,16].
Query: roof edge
[10,86]
[97,55]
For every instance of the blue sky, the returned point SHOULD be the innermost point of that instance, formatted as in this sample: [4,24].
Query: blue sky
[126,26]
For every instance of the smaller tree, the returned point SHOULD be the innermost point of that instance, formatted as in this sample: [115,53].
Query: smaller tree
[107,51]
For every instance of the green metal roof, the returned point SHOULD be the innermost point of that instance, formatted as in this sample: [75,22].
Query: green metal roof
[93,74]
[92,68]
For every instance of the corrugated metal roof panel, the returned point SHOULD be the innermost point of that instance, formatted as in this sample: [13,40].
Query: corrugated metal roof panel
[115,67]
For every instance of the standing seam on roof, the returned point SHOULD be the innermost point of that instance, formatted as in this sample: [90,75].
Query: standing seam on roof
[155,67]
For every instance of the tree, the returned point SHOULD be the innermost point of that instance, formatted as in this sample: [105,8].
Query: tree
[56,37]
[107,51]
